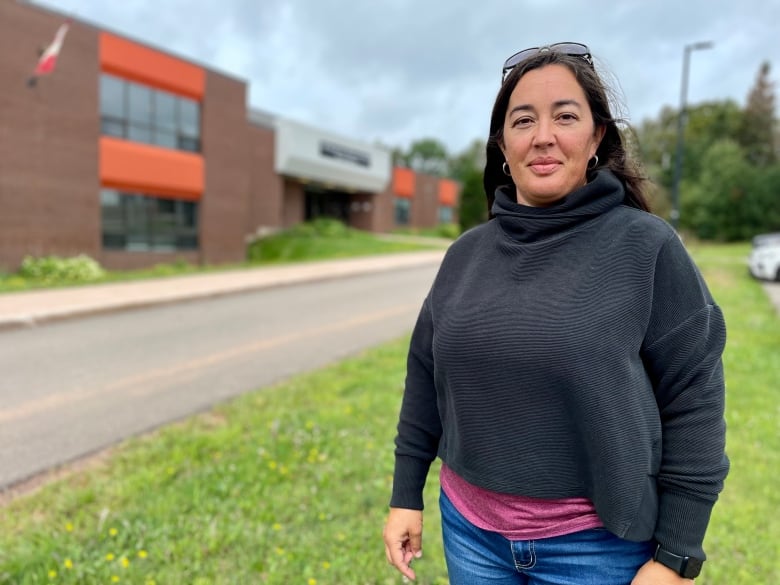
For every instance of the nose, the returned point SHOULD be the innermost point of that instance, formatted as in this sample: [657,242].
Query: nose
[545,133]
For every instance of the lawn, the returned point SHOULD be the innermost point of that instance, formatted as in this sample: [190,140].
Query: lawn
[289,484]
[321,239]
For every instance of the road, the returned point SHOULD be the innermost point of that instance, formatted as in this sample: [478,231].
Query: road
[72,388]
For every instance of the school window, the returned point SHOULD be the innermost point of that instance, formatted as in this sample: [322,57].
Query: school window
[445,214]
[152,116]
[402,207]
[139,222]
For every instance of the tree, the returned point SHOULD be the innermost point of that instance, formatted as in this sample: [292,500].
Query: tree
[427,156]
[720,204]
[467,169]
[757,133]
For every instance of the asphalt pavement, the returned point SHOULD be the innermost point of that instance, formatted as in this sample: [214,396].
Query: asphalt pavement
[31,308]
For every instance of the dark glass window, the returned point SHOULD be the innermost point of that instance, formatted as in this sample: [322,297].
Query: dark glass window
[189,117]
[151,116]
[445,214]
[139,104]
[112,127]
[138,222]
[165,111]
[402,207]
[112,97]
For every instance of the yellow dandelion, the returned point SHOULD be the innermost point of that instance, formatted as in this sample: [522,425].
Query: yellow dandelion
[325,565]
[341,537]
[68,564]
[115,578]
[309,425]
[110,557]
[68,527]
[142,554]
[151,582]
[272,464]
[279,550]
[125,562]
[312,581]
[277,526]
[284,470]
[321,516]
[171,471]
[113,531]
[52,574]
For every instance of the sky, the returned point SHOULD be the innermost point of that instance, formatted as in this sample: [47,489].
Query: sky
[396,71]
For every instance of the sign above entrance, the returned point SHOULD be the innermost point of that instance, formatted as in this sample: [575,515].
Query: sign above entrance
[312,154]
[333,150]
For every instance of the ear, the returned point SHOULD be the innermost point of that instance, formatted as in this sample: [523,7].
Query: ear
[598,136]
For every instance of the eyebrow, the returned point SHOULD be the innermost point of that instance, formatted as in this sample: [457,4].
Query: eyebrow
[556,105]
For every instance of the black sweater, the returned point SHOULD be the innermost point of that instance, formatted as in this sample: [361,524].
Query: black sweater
[572,351]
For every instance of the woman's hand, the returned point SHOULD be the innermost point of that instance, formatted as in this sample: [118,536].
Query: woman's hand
[403,539]
[653,573]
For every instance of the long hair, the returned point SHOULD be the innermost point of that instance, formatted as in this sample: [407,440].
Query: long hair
[612,152]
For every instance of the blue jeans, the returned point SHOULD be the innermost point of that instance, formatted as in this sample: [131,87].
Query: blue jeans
[590,557]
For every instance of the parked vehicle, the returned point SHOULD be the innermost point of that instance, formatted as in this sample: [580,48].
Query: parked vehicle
[764,260]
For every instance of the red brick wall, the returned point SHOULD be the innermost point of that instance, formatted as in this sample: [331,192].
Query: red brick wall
[293,203]
[49,192]
[266,191]
[225,137]
[425,205]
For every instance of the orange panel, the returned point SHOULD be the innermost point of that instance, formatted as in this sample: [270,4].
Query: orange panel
[448,192]
[403,182]
[150,169]
[130,60]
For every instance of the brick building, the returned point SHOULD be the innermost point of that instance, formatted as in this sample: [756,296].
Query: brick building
[135,156]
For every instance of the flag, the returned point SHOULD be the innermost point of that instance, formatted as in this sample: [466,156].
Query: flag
[48,59]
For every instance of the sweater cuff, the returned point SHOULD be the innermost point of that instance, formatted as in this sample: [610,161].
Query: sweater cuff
[408,482]
[682,523]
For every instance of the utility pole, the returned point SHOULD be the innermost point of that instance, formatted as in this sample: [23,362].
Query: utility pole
[681,119]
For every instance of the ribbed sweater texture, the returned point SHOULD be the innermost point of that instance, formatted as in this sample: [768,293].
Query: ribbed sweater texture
[572,351]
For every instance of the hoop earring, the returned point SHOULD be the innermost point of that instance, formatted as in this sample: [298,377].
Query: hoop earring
[595,161]
[505,168]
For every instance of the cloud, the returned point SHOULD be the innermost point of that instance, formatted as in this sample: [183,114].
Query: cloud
[398,70]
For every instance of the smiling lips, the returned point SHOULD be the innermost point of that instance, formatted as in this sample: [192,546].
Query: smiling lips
[544,165]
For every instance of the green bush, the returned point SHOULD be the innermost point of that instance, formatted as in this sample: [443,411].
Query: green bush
[54,269]
[448,230]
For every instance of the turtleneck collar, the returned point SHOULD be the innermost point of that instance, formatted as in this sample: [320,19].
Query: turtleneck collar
[527,224]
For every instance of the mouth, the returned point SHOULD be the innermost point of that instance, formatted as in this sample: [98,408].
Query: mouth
[544,166]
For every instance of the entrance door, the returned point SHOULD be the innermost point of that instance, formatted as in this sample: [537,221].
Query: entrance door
[322,203]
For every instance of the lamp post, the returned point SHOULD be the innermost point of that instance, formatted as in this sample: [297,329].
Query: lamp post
[681,119]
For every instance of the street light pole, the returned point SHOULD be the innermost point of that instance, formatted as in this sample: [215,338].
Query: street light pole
[681,119]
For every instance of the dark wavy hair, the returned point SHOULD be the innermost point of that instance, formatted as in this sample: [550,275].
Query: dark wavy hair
[612,151]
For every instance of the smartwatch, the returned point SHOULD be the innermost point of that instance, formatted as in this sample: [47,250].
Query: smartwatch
[686,567]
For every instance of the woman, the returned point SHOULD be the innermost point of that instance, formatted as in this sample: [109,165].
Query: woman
[566,364]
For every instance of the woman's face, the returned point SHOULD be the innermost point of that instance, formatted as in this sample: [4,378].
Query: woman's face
[549,135]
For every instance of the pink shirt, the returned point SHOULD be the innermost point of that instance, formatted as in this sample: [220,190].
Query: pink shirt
[517,517]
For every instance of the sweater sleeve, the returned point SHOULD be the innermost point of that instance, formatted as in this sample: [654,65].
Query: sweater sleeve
[419,425]
[682,353]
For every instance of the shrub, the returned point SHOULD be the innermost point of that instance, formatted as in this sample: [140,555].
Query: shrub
[54,269]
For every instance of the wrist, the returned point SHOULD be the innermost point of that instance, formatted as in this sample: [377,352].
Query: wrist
[684,566]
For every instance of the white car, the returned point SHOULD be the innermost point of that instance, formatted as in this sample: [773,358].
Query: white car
[764,260]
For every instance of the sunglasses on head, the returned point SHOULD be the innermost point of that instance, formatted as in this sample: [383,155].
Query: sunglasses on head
[571,49]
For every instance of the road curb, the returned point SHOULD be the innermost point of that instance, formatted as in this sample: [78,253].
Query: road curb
[285,276]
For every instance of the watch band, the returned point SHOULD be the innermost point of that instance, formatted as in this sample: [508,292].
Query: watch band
[687,567]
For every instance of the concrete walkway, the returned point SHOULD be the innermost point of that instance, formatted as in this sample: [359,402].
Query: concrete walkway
[26,309]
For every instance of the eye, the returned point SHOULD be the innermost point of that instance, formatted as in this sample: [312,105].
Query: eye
[567,117]
[522,122]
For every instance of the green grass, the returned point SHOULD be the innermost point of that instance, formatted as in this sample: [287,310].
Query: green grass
[321,239]
[290,484]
